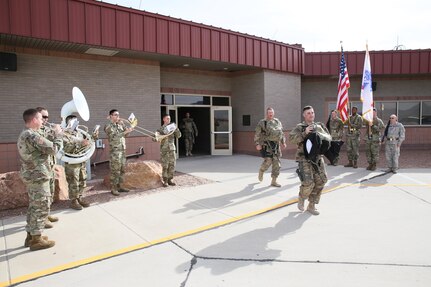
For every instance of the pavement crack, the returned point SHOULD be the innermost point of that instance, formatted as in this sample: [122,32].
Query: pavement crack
[121,222]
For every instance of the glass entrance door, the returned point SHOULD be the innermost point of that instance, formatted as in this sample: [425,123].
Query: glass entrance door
[221,130]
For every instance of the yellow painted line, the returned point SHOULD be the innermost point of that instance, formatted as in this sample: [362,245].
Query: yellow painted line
[121,251]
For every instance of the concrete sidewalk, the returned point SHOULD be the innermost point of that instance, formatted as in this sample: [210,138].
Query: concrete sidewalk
[372,231]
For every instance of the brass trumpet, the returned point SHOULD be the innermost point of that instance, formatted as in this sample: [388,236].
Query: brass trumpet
[154,135]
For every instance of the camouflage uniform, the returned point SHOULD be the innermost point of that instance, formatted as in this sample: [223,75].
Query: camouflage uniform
[117,144]
[353,137]
[190,131]
[167,153]
[269,134]
[76,174]
[312,174]
[36,172]
[47,133]
[372,142]
[337,131]
[396,135]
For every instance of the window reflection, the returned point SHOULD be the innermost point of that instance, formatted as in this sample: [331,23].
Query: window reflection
[192,100]
[221,141]
[385,110]
[408,113]
[167,99]
[426,113]
[221,121]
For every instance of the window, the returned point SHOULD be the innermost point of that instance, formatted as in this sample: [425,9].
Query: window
[385,110]
[167,99]
[221,101]
[426,113]
[192,100]
[408,113]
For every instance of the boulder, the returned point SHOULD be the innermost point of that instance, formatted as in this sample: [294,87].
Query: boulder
[13,192]
[142,175]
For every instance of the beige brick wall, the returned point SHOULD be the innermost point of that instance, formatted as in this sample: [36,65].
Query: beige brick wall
[48,81]
[283,93]
[196,80]
[247,99]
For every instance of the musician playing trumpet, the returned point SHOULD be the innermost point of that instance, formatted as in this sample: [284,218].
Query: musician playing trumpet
[117,131]
[168,151]
[76,173]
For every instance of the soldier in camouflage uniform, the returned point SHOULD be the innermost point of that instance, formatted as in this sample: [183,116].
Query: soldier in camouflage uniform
[312,174]
[394,136]
[35,151]
[372,141]
[268,137]
[117,131]
[353,137]
[76,173]
[336,129]
[190,131]
[46,132]
[167,152]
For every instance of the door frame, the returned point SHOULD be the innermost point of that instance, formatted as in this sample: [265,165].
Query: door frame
[215,151]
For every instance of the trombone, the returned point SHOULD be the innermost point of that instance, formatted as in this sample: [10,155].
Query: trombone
[154,135]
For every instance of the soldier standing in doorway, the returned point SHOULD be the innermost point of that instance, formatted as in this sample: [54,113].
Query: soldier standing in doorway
[268,138]
[190,132]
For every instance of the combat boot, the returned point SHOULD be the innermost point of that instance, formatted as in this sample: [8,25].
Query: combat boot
[370,165]
[350,164]
[312,208]
[373,167]
[355,164]
[74,204]
[260,176]
[274,182]
[52,218]
[48,224]
[301,203]
[29,237]
[115,192]
[122,189]
[83,203]
[165,182]
[38,243]
[170,182]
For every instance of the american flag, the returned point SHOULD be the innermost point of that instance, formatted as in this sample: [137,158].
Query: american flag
[343,89]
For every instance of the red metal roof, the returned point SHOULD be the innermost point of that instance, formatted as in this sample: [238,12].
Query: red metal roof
[397,62]
[110,26]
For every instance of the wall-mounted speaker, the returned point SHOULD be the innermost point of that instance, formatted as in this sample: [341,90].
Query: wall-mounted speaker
[7,62]
[374,86]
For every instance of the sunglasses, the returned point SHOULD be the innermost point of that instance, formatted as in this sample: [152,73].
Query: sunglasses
[45,117]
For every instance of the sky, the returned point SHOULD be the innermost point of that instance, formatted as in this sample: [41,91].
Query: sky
[318,25]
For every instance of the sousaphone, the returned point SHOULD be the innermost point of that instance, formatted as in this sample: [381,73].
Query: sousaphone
[77,105]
